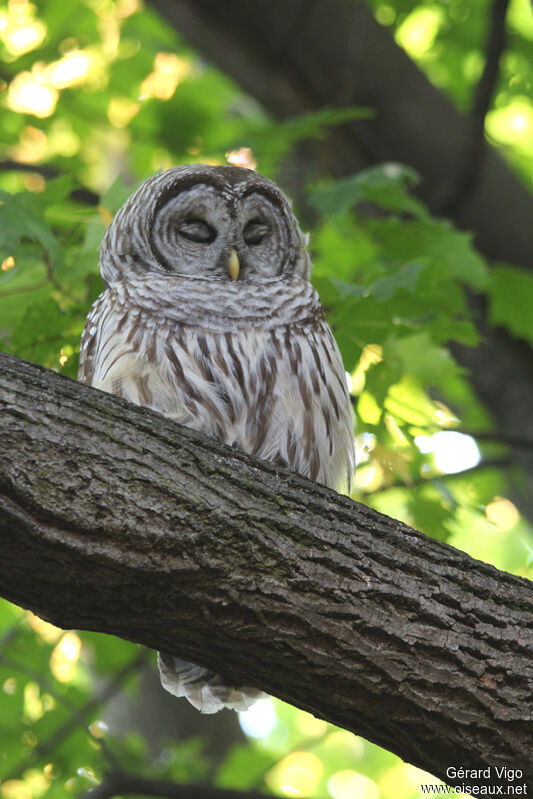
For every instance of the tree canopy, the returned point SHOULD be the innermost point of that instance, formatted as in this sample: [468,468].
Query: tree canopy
[100,94]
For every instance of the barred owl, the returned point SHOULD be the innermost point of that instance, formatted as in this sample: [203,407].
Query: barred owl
[209,318]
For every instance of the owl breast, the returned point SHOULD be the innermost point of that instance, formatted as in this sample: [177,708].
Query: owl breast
[258,368]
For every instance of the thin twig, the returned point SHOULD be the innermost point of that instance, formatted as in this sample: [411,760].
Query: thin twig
[48,172]
[499,438]
[24,289]
[40,680]
[117,783]
[44,170]
[78,718]
[108,755]
[50,266]
[11,634]
[488,463]
[475,149]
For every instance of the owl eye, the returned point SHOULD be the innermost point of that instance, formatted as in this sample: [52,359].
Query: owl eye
[254,232]
[198,231]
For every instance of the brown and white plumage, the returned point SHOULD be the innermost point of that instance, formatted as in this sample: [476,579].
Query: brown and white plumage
[210,319]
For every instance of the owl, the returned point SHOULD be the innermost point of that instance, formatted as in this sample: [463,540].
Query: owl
[209,318]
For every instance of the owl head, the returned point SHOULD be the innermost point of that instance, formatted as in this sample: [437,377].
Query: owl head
[220,223]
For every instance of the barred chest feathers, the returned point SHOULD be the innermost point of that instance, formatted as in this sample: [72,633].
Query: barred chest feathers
[257,367]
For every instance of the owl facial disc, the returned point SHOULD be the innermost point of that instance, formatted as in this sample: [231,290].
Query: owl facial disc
[208,223]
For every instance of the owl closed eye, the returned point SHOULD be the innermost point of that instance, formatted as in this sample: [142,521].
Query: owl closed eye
[193,229]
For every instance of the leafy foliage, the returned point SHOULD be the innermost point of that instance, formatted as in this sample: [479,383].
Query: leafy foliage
[98,96]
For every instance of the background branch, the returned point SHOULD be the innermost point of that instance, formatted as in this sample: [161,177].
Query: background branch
[422,480]
[78,718]
[114,519]
[475,146]
[118,783]
[49,172]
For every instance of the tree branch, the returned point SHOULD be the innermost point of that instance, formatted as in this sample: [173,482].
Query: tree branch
[422,480]
[82,195]
[77,718]
[114,519]
[117,783]
[476,149]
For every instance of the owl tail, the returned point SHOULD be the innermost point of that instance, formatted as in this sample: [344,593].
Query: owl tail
[203,688]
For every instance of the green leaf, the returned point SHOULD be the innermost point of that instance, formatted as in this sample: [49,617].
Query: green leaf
[22,216]
[273,140]
[511,300]
[244,767]
[117,194]
[450,251]
[44,330]
[430,513]
[57,190]
[386,186]
[343,249]
[421,358]
[109,653]
[405,277]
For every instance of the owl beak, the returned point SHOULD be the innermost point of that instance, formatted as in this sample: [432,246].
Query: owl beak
[232,265]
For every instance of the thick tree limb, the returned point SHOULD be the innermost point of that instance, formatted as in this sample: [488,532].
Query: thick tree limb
[114,519]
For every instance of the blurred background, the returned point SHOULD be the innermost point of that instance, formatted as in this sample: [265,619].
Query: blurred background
[403,131]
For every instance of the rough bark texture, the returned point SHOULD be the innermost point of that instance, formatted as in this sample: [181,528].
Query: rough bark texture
[300,55]
[114,519]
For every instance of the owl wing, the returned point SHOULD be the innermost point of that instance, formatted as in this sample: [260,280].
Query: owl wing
[148,364]
[297,410]
[316,411]
[164,365]
[121,353]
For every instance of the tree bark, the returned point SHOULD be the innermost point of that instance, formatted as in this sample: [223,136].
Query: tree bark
[113,518]
[296,56]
